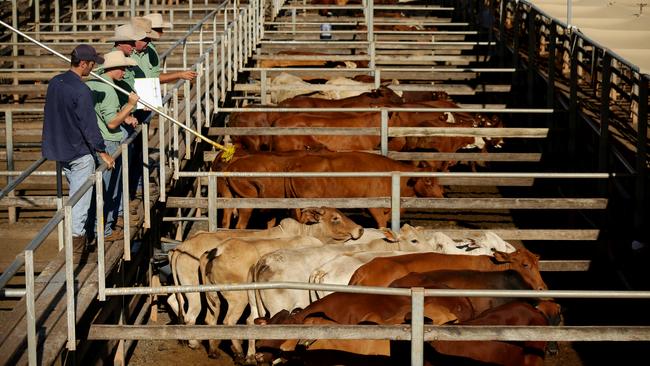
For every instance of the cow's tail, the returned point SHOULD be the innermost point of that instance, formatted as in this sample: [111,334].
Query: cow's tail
[173,258]
[253,297]
[257,298]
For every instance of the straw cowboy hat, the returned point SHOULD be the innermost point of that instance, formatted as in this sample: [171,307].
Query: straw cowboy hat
[117,59]
[157,21]
[145,25]
[128,32]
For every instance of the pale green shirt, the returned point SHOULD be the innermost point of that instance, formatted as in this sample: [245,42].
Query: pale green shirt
[107,105]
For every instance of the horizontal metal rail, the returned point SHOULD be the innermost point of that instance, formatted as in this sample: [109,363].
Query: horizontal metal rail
[375,290]
[381,69]
[389,109]
[402,174]
[379,332]
[26,173]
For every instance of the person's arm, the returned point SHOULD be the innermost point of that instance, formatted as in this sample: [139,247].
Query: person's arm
[87,121]
[170,77]
[122,115]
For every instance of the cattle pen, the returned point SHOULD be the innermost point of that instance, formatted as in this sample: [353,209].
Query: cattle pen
[550,111]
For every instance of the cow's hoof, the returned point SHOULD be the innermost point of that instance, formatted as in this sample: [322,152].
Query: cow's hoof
[239,358]
[250,360]
[193,344]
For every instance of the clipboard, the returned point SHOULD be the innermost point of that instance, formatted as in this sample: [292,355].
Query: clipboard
[148,89]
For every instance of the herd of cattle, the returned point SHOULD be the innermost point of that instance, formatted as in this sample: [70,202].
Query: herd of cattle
[330,248]
[323,246]
[337,153]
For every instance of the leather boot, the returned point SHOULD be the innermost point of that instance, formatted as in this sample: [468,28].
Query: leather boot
[78,245]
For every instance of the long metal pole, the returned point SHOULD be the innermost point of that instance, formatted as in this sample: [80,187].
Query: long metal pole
[228,151]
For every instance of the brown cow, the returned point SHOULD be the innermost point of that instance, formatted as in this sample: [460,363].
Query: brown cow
[468,279]
[527,353]
[382,271]
[353,309]
[322,187]
[252,143]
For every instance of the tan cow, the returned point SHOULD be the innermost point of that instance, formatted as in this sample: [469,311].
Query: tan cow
[230,263]
[326,224]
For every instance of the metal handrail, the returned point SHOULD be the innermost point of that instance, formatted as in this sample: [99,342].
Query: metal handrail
[24,175]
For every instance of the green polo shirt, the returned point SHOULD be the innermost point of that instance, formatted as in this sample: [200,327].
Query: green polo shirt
[107,105]
[128,81]
[148,61]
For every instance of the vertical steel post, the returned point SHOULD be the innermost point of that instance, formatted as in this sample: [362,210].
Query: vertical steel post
[550,90]
[515,42]
[395,201]
[384,132]
[132,3]
[126,200]
[222,68]
[89,16]
[57,15]
[69,279]
[101,269]
[417,326]
[207,90]
[31,309]
[162,157]
[9,143]
[145,176]
[264,88]
[74,15]
[175,133]
[603,141]
[531,59]
[640,220]
[212,203]
[59,202]
[502,38]
[371,33]
[573,102]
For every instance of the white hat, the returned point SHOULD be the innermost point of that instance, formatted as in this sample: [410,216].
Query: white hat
[117,59]
[157,21]
[145,25]
[128,32]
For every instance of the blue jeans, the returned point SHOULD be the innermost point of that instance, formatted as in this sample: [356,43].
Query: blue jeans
[112,189]
[77,172]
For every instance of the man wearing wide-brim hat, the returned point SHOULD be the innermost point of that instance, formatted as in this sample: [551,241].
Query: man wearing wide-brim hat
[110,116]
[150,58]
[128,39]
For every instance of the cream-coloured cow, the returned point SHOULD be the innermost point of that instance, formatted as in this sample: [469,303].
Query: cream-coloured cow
[230,263]
[326,224]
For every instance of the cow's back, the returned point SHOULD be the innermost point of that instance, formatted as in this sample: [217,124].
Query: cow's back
[384,270]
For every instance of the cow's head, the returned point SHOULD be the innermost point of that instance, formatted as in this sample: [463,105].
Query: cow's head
[334,223]
[411,238]
[428,187]
[526,264]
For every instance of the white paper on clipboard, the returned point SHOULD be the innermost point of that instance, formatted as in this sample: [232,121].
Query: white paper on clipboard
[148,89]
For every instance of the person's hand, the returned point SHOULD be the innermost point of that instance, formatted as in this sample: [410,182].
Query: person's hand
[133,99]
[188,75]
[110,162]
[131,121]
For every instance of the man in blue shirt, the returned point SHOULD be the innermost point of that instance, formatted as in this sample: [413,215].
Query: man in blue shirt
[71,135]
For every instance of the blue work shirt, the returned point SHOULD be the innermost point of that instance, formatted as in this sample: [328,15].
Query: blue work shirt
[70,128]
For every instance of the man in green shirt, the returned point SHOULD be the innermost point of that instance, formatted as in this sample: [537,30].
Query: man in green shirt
[110,117]
[152,58]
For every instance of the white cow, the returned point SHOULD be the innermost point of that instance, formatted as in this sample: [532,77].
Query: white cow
[296,265]
[339,270]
